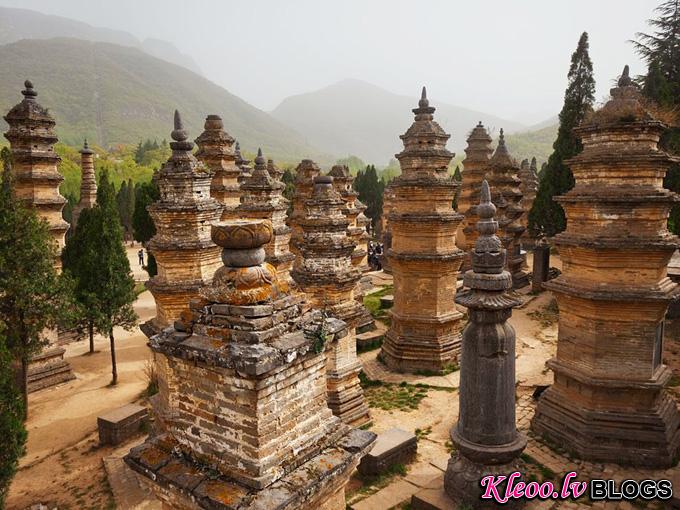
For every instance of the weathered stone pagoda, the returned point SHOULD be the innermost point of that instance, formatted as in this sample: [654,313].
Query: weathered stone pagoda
[216,153]
[88,184]
[425,328]
[608,402]
[274,171]
[185,255]
[386,228]
[475,165]
[241,414]
[262,198]
[356,230]
[35,170]
[503,176]
[529,186]
[243,164]
[325,273]
[305,173]
[486,438]
[35,164]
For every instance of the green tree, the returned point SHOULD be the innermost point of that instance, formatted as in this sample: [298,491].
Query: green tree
[34,299]
[12,429]
[371,190]
[288,178]
[546,215]
[661,51]
[458,177]
[143,228]
[354,164]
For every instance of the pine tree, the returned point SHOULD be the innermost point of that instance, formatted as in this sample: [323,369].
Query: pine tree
[547,216]
[143,228]
[661,84]
[458,177]
[12,430]
[34,298]
[370,190]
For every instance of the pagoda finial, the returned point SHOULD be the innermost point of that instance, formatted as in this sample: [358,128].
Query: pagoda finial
[624,80]
[479,124]
[423,103]
[260,162]
[85,146]
[178,134]
[28,92]
[488,255]
[501,138]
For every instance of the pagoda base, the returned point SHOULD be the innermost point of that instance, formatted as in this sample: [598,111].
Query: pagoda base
[48,368]
[182,483]
[346,398]
[520,280]
[646,438]
[462,482]
[411,354]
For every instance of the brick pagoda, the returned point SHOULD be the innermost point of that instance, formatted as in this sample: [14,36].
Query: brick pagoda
[241,415]
[529,186]
[325,273]
[608,402]
[243,164]
[262,198]
[426,327]
[185,255]
[88,184]
[305,173]
[216,153]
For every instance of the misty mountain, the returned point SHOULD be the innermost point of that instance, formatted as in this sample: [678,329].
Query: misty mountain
[118,94]
[17,24]
[355,117]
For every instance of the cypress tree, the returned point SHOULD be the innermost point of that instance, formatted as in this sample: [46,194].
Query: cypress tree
[143,228]
[546,215]
[661,84]
[458,177]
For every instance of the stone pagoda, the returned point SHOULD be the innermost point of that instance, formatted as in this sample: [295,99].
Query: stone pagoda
[529,187]
[216,153]
[486,438]
[274,171]
[325,273]
[36,180]
[475,165]
[88,184]
[385,227]
[608,402]
[305,173]
[185,255]
[241,414]
[426,326]
[356,230]
[35,164]
[243,164]
[262,198]
[503,176]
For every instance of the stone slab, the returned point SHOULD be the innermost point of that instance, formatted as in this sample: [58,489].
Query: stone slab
[127,493]
[386,301]
[392,447]
[120,424]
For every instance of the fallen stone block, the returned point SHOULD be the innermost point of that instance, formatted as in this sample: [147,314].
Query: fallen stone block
[395,446]
[386,301]
[120,424]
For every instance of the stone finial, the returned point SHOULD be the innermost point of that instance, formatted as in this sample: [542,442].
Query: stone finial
[259,159]
[179,135]
[479,124]
[624,80]
[424,110]
[423,103]
[534,165]
[488,255]
[86,148]
[29,93]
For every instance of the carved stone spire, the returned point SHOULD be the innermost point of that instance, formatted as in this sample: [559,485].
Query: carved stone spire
[88,184]
[624,80]
[486,437]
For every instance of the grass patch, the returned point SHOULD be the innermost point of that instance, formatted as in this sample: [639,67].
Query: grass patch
[421,433]
[448,369]
[372,303]
[675,381]
[548,315]
[546,472]
[388,397]
[139,288]
[372,484]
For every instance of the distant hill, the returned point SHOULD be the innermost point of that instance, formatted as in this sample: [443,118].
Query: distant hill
[536,143]
[355,117]
[115,94]
[17,24]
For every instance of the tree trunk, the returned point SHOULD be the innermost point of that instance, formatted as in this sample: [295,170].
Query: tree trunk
[90,328]
[114,371]
[24,384]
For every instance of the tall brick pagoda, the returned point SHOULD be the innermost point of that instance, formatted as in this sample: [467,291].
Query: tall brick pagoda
[486,438]
[241,414]
[185,255]
[426,327]
[216,153]
[88,184]
[475,165]
[529,186]
[608,402]
[325,273]
[305,173]
[503,176]
[262,198]
[35,164]
[356,230]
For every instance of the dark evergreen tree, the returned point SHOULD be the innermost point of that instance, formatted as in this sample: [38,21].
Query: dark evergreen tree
[370,190]
[661,84]
[547,216]
[34,299]
[458,177]
[12,429]
[143,227]
[288,178]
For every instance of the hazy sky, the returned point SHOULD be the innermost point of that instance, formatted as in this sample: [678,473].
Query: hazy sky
[509,58]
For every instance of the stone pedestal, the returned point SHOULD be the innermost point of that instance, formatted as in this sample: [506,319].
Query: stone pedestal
[242,395]
[425,329]
[608,402]
[541,267]
[325,273]
[185,255]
